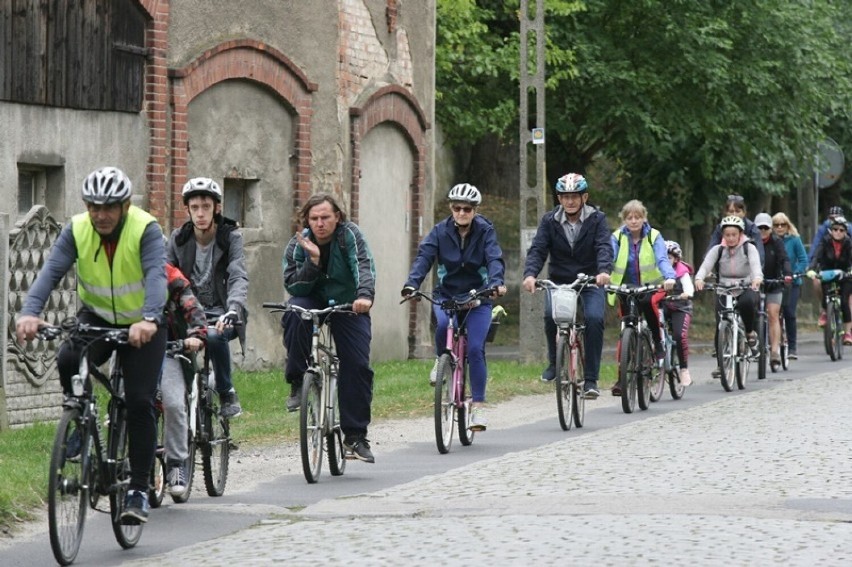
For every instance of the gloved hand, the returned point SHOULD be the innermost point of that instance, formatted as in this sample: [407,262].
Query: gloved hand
[228,319]
[407,290]
[811,274]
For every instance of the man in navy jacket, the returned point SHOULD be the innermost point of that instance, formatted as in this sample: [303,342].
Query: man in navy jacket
[576,237]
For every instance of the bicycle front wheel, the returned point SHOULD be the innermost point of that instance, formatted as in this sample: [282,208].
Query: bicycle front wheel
[564,384]
[445,409]
[726,354]
[127,535]
[67,499]
[310,427]
[334,439]
[763,347]
[627,370]
[216,451]
[578,378]
[658,381]
[648,370]
[838,331]
[829,331]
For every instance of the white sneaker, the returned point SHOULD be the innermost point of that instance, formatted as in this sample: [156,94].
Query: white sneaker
[685,378]
[433,376]
[478,421]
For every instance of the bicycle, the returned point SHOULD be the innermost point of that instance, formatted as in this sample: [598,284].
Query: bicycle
[637,361]
[452,395]
[86,462]
[833,329]
[671,367]
[732,352]
[763,335]
[570,349]
[319,415]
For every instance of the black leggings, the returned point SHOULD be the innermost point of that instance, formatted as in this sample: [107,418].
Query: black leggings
[141,367]
[845,292]
[747,304]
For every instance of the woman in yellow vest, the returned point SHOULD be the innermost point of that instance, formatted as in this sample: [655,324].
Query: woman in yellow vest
[641,258]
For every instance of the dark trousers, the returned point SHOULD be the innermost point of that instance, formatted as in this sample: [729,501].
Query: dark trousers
[791,301]
[591,302]
[141,368]
[352,335]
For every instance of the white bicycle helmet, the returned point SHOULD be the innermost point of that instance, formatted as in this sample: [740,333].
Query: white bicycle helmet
[732,220]
[106,185]
[466,193]
[572,183]
[201,186]
[673,248]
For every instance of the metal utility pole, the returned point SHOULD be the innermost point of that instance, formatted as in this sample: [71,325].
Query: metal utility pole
[532,190]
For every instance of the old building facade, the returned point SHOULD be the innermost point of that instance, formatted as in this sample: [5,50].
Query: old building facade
[275,99]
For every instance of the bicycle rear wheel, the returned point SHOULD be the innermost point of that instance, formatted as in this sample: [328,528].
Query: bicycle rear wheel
[157,481]
[648,369]
[67,499]
[445,409]
[463,411]
[627,370]
[564,383]
[126,534]
[726,354]
[334,439]
[578,378]
[310,430]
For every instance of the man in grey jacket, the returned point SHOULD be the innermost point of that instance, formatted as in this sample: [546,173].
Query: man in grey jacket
[208,249]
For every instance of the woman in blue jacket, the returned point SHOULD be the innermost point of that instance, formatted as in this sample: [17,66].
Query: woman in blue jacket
[785,229]
[464,247]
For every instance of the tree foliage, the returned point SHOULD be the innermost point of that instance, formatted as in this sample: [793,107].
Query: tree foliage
[686,101]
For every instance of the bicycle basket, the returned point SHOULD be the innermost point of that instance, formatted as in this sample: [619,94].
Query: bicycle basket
[563,302]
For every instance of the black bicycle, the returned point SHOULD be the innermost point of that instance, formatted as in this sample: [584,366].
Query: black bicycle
[89,458]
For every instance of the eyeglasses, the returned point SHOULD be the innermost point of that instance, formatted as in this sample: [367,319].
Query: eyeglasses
[736,199]
[460,208]
[776,224]
[765,227]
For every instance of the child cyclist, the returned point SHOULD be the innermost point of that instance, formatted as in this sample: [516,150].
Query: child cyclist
[185,320]
[679,311]
[735,261]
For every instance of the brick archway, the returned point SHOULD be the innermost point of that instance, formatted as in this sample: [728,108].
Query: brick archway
[396,105]
[249,60]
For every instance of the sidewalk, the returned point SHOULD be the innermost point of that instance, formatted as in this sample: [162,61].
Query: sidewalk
[754,478]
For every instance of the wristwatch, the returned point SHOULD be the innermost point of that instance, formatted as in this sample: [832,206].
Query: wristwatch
[154,320]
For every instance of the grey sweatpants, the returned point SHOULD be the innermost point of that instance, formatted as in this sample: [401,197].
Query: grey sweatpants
[173,390]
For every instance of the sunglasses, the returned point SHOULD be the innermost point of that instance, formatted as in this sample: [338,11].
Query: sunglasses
[736,199]
[765,227]
[460,208]
[838,229]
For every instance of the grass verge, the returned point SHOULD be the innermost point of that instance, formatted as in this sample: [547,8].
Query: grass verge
[401,390]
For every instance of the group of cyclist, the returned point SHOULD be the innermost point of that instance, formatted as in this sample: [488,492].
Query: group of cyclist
[195,288]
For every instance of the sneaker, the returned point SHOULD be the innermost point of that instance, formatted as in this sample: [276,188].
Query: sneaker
[752,339]
[358,447]
[685,378]
[717,373]
[823,319]
[549,374]
[73,446]
[294,402]
[792,355]
[591,393]
[176,479]
[135,508]
[433,375]
[616,390]
[847,338]
[478,421]
[230,405]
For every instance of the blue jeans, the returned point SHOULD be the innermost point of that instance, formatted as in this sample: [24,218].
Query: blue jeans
[220,356]
[476,321]
[592,300]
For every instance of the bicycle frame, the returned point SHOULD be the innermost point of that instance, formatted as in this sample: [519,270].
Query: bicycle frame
[741,355]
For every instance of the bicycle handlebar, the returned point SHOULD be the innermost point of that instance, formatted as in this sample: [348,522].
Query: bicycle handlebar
[282,307]
[625,289]
[582,281]
[73,327]
[455,303]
